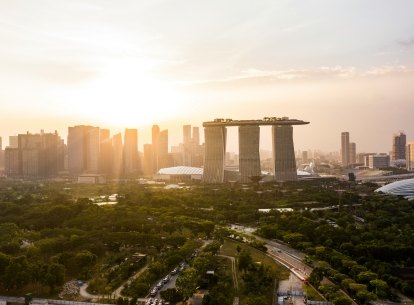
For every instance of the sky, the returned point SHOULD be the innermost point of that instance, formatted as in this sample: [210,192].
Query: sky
[341,65]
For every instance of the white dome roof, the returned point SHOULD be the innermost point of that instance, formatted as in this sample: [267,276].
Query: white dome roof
[180,170]
[401,188]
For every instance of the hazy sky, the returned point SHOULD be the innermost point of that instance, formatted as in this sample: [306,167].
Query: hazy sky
[342,65]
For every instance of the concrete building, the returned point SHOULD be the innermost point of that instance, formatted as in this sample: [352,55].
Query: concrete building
[410,156]
[11,162]
[13,142]
[1,154]
[215,139]
[352,153]
[345,148]
[130,158]
[117,155]
[379,161]
[83,149]
[284,163]
[249,157]
[398,147]
[105,152]
[38,156]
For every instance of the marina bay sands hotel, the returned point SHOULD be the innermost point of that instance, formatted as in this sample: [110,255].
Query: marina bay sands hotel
[284,164]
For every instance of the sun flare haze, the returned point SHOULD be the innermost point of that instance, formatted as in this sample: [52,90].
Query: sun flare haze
[178,62]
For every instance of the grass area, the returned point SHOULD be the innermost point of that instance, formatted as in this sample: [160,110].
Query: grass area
[312,293]
[229,248]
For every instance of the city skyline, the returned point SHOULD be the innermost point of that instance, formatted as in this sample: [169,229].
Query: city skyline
[346,65]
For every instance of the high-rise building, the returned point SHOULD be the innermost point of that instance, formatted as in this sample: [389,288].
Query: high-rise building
[148,166]
[410,156]
[163,159]
[398,147]
[11,162]
[215,138]
[379,161]
[13,142]
[1,154]
[105,152]
[352,153]
[196,136]
[284,163]
[249,158]
[131,152]
[117,155]
[305,156]
[187,145]
[345,148]
[36,156]
[83,149]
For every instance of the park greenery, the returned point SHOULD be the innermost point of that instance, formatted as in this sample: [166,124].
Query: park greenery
[52,232]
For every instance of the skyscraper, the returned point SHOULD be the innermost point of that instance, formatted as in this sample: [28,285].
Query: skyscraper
[345,148]
[410,156]
[105,152]
[249,159]
[36,156]
[352,153]
[215,138]
[398,147]
[284,163]
[131,152]
[83,149]
[117,155]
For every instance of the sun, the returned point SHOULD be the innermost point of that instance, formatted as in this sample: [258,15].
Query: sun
[126,94]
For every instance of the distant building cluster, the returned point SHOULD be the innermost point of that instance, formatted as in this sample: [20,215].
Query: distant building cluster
[91,151]
[401,154]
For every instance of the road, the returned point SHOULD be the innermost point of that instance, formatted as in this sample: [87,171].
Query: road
[288,257]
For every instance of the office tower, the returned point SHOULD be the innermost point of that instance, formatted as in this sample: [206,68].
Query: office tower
[105,152]
[379,161]
[1,154]
[131,152]
[345,148]
[410,156]
[117,155]
[36,156]
[162,150]
[187,145]
[284,163]
[148,165]
[398,147]
[352,153]
[249,159]
[11,162]
[83,149]
[155,134]
[196,136]
[13,142]
[215,139]
[304,156]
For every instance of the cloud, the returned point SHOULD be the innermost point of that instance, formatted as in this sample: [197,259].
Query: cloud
[257,77]
[54,72]
[407,43]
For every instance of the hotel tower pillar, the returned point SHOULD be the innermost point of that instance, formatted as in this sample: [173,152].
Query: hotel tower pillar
[284,163]
[249,158]
[215,151]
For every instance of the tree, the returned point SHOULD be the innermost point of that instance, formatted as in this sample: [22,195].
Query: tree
[342,301]
[55,275]
[172,295]
[187,282]
[245,260]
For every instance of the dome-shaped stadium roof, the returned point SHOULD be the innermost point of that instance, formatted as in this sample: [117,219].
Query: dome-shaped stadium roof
[181,170]
[401,188]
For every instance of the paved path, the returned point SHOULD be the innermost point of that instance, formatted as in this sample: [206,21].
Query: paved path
[233,270]
[116,294]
